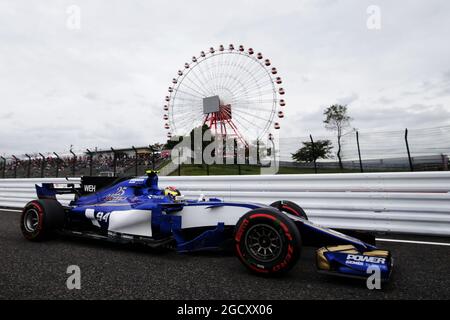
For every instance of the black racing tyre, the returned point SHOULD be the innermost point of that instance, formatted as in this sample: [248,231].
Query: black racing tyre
[40,218]
[267,242]
[290,207]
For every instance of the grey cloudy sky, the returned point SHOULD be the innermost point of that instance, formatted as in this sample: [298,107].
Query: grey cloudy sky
[104,84]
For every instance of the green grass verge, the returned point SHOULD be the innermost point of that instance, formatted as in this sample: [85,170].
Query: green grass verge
[233,169]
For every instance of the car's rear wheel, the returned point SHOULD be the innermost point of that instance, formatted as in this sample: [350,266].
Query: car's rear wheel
[290,207]
[41,218]
[267,242]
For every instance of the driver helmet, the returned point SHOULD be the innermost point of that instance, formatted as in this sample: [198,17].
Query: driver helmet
[172,192]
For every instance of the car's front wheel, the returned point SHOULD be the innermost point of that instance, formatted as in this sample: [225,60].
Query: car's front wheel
[40,218]
[267,242]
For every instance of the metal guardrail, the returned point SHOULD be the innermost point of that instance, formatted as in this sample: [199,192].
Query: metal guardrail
[417,203]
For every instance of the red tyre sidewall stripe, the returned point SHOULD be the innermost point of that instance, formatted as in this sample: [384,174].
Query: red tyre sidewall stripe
[241,230]
[238,249]
[286,231]
[286,260]
[291,210]
[40,211]
[262,215]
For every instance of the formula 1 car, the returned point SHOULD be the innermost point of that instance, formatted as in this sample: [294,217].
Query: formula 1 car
[266,239]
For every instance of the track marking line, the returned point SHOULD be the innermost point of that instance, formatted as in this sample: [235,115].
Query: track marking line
[11,210]
[415,242]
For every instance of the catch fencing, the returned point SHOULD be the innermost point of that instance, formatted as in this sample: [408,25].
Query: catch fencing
[399,150]
[416,203]
[361,150]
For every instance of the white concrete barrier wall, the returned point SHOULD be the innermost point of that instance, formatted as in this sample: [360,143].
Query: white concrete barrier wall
[416,203]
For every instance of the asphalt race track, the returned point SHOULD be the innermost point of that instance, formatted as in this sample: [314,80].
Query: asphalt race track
[108,271]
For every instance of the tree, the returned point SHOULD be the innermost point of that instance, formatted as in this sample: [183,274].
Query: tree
[171,143]
[322,150]
[337,119]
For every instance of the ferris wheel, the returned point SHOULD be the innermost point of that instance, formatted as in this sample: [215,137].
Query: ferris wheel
[236,92]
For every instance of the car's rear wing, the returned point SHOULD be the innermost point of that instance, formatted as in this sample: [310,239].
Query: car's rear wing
[50,190]
[86,186]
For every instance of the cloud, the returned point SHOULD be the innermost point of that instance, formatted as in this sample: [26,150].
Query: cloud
[415,116]
[347,99]
[7,115]
[104,85]
[91,96]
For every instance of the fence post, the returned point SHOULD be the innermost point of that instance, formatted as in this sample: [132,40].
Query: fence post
[57,164]
[28,166]
[135,161]
[407,149]
[42,164]
[153,156]
[313,153]
[74,163]
[224,150]
[273,151]
[246,155]
[444,162]
[257,152]
[114,161]
[90,161]
[153,160]
[15,166]
[179,161]
[359,152]
[235,151]
[4,167]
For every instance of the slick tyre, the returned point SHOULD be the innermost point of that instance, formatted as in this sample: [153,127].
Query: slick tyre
[290,207]
[41,218]
[267,242]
